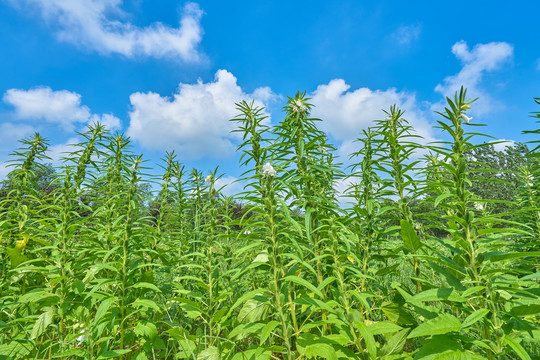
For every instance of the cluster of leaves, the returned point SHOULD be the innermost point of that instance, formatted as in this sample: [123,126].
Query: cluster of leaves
[95,268]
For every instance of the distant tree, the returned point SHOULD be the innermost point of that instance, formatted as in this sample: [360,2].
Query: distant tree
[44,176]
[502,166]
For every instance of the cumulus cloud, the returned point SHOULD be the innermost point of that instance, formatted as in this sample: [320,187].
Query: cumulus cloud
[60,107]
[97,25]
[481,59]
[404,35]
[195,120]
[346,112]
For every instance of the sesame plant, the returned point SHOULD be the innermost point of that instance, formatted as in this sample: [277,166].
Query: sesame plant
[409,262]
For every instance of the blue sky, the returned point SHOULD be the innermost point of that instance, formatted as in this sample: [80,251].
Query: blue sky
[168,73]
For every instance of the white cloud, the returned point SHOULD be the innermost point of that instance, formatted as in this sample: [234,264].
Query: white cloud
[59,151]
[481,59]
[404,35]
[98,25]
[229,185]
[346,112]
[501,146]
[10,132]
[58,107]
[195,121]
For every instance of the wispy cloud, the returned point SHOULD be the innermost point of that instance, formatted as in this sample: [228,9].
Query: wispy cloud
[91,24]
[60,107]
[481,59]
[405,35]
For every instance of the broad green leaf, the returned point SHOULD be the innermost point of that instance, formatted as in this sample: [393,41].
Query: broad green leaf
[411,240]
[395,343]
[15,350]
[146,329]
[210,353]
[442,347]
[242,329]
[383,327]
[441,294]
[442,324]
[267,330]
[42,322]
[474,317]
[145,303]
[253,311]
[397,314]
[322,350]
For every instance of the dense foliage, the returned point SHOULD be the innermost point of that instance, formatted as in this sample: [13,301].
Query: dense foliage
[434,259]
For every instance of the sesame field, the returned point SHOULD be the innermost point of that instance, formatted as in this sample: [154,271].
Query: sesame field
[418,250]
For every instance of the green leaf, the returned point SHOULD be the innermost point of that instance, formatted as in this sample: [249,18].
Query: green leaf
[145,303]
[439,294]
[397,314]
[146,329]
[112,354]
[442,324]
[525,310]
[242,329]
[368,339]
[395,343]
[520,351]
[474,317]
[323,350]
[42,322]
[515,255]
[411,240]
[304,283]
[210,353]
[253,311]
[383,327]
[146,285]
[267,330]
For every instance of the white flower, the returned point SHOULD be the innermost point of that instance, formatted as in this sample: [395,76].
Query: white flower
[81,338]
[269,170]
[466,118]
[300,104]
[478,206]
[247,232]
[208,179]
